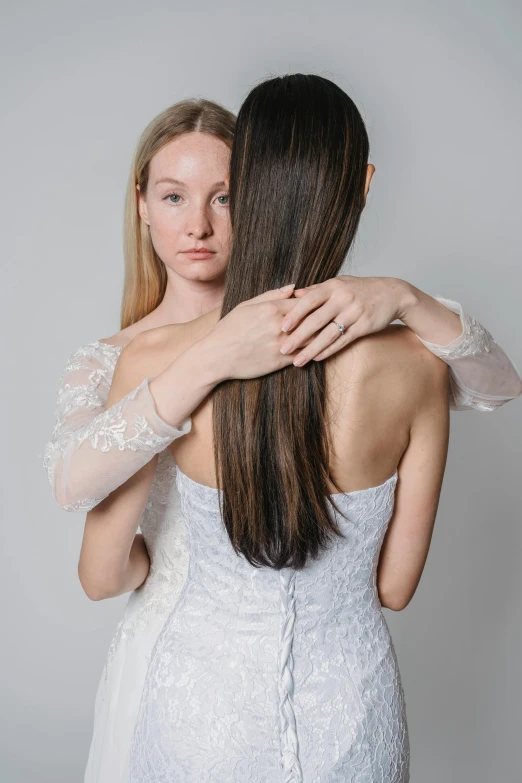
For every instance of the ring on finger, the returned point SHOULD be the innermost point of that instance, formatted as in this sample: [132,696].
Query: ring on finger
[341,327]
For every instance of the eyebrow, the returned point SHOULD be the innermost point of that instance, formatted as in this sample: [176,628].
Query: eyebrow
[182,184]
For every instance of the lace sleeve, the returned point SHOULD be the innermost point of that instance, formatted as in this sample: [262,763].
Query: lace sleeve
[482,377]
[94,449]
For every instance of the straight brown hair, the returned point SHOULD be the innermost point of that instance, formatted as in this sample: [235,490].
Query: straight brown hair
[298,170]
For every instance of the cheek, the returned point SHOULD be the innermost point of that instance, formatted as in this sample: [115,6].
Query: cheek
[165,232]
[162,222]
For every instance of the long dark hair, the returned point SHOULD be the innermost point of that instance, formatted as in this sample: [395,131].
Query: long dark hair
[297,177]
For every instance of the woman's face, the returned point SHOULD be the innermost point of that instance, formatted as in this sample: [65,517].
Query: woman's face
[186,206]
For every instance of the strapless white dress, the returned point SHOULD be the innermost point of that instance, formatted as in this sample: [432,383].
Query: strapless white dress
[94,449]
[261,675]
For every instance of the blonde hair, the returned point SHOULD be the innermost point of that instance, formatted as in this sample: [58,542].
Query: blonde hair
[145,274]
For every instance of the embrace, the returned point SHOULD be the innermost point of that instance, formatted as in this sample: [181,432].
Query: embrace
[260,453]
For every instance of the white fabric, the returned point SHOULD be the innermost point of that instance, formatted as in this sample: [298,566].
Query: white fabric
[93,450]
[119,692]
[262,675]
[482,376]
[81,473]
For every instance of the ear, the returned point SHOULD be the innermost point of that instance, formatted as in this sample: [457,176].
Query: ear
[142,206]
[370,171]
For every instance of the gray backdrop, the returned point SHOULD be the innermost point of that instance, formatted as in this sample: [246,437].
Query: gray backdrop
[439,87]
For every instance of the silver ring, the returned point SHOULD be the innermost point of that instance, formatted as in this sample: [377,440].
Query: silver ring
[341,327]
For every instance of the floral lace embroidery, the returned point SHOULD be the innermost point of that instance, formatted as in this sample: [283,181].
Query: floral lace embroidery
[97,361]
[474,340]
[165,536]
[109,430]
[86,430]
[87,376]
[218,692]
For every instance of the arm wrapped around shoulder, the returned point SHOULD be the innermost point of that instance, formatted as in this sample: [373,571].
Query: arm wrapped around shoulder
[95,449]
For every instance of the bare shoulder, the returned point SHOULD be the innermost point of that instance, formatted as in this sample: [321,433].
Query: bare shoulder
[123,338]
[399,343]
[395,358]
[152,350]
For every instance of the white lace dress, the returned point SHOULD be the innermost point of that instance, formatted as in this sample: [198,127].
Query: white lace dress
[93,450]
[265,676]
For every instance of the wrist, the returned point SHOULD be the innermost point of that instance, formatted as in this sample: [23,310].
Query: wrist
[183,385]
[429,319]
[210,361]
[409,300]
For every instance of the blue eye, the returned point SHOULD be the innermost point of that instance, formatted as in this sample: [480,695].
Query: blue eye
[223,200]
[173,196]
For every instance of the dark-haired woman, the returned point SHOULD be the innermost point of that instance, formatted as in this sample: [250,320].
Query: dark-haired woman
[309,492]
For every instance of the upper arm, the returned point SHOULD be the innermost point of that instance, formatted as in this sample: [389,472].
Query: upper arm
[129,370]
[421,470]
[82,396]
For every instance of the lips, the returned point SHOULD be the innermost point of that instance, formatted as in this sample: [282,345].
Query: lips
[198,253]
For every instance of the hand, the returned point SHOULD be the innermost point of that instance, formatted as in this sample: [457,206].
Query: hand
[247,341]
[362,304]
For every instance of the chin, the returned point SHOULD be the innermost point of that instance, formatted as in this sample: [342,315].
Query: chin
[202,271]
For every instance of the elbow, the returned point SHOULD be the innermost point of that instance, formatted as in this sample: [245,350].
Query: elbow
[394,600]
[98,592]
[61,495]
[62,500]
[93,594]
[69,495]
[395,605]
[58,491]
[97,589]
[74,502]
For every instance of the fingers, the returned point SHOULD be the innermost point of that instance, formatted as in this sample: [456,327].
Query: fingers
[312,324]
[327,343]
[272,309]
[274,293]
[323,340]
[313,298]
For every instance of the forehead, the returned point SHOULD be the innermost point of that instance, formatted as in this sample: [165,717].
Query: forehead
[193,158]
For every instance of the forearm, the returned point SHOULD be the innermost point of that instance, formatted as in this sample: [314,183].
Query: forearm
[482,376]
[136,569]
[428,318]
[113,558]
[193,375]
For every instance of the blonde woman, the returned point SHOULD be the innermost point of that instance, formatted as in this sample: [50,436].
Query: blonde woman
[177,240]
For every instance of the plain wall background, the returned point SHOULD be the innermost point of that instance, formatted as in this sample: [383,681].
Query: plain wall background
[439,85]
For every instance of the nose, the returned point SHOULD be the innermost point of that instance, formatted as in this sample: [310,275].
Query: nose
[198,223]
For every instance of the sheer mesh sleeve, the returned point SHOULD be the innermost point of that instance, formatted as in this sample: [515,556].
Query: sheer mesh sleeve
[482,377]
[94,449]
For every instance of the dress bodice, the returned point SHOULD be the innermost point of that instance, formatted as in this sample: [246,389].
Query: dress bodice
[275,675]
[366,514]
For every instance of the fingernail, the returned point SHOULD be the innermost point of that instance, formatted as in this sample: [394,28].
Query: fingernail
[299,361]
[286,347]
[287,288]
[285,327]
